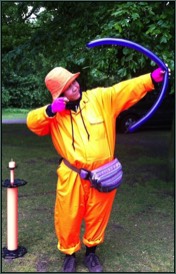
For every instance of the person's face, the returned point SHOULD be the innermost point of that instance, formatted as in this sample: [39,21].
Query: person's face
[73,92]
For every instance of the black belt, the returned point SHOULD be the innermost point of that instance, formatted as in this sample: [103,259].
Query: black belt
[84,173]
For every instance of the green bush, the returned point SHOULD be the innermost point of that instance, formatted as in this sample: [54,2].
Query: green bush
[24,92]
[5,97]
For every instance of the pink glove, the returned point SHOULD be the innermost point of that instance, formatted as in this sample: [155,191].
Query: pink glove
[158,75]
[59,104]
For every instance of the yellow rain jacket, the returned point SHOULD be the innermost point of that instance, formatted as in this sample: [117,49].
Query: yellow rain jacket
[86,138]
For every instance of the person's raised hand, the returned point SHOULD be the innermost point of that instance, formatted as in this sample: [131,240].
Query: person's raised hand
[158,74]
[59,104]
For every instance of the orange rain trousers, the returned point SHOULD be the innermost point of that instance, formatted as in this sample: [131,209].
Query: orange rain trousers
[75,199]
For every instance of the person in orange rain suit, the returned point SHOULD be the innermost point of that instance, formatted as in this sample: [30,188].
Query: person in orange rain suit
[82,128]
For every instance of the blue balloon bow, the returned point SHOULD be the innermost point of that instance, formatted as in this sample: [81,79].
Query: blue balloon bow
[152,56]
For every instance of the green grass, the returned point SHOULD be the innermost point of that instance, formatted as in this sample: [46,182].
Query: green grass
[14,113]
[140,233]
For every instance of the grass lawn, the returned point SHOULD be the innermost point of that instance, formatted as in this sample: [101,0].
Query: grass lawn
[14,113]
[140,233]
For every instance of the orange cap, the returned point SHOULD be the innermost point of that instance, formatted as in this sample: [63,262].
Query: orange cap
[58,80]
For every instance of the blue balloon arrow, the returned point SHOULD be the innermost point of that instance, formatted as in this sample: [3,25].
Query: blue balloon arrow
[152,56]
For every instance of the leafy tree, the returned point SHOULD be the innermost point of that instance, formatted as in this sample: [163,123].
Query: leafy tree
[39,35]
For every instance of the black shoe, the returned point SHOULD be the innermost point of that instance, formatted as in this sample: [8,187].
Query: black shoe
[69,264]
[92,262]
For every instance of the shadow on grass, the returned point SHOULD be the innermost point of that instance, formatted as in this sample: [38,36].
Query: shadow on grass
[140,233]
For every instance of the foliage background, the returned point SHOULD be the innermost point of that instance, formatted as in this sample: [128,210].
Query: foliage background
[39,35]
